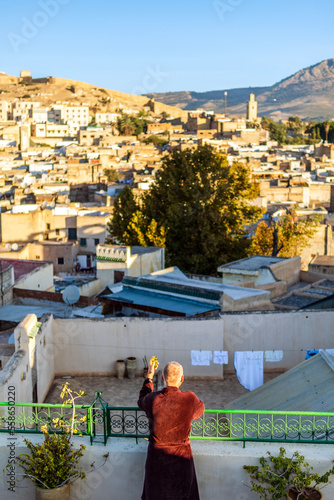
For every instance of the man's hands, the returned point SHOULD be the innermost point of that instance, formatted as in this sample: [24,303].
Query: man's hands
[153,365]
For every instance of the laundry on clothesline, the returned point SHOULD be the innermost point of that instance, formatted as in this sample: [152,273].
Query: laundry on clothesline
[220,357]
[201,358]
[273,356]
[249,368]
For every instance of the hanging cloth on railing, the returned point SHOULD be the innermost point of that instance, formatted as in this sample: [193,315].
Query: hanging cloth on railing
[249,368]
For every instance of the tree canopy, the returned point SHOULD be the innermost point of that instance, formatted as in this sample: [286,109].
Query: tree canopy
[198,207]
[132,124]
[284,238]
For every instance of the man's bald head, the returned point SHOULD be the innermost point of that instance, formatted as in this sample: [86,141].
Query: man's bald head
[173,374]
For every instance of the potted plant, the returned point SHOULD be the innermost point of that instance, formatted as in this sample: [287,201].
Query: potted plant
[280,477]
[54,464]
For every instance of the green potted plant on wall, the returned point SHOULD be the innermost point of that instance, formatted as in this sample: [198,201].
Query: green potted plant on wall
[54,464]
[280,477]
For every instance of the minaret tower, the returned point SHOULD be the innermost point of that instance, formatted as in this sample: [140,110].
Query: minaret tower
[252,108]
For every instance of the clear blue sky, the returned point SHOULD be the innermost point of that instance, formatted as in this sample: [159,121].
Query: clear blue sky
[143,46]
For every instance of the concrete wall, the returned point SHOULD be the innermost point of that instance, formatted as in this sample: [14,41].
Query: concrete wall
[52,251]
[11,377]
[320,244]
[91,288]
[40,279]
[6,285]
[293,332]
[92,227]
[101,342]
[44,358]
[146,263]
[32,362]
[219,468]
[287,270]
[23,227]
[135,265]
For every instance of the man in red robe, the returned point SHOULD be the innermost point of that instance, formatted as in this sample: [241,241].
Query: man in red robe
[169,469]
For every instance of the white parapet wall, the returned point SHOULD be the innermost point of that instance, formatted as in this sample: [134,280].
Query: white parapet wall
[83,346]
[219,468]
[101,342]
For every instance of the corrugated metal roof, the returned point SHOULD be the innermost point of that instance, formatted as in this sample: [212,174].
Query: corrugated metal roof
[308,386]
[163,302]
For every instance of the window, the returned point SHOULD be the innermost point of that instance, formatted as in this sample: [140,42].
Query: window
[37,257]
[57,231]
[60,261]
[96,241]
[83,242]
[48,226]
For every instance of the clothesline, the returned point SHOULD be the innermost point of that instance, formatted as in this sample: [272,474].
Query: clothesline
[184,350]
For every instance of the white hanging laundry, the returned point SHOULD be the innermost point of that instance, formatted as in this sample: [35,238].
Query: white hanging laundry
[330,351]
[201,358]
[273,356]
[220,357]
[249,368]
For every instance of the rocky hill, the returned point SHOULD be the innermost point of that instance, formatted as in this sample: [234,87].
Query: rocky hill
[308,93]
[51,90]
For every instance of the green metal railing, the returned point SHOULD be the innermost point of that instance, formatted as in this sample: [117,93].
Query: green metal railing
[235,425]
[102,422]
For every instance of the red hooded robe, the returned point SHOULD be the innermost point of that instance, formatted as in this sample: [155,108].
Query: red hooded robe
[169,470]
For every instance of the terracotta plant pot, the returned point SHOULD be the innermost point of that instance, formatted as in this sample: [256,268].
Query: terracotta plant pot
[311,495]
[120,368]
[62,493]
[131,365]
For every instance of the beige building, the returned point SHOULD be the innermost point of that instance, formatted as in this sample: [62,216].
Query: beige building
[80,171]
[62,255]
[106,117]
[113,262]
[22,110]
[49,130]
[5,110]
[74,115]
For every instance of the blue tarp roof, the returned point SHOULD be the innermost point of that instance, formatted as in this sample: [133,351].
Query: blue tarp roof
[161,301]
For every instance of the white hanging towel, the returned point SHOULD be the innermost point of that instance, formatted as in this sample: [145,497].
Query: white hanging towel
[249,368]
[273,356]
[201,358]
[330,351]
[220,357]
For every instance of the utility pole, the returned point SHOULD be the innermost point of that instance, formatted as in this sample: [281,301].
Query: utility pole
[225,94]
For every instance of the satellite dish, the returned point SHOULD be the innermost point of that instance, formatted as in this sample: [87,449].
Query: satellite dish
[44,204]
[71,295]
[52,204]
[15,246]
[7,246]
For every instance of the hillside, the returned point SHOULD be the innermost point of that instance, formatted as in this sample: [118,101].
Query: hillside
[51,90]
[308,93]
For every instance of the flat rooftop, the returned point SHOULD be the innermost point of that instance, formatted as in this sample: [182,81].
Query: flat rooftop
[216,394]
[252,263]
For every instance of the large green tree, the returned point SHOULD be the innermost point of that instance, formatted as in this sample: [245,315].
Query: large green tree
[119,229]
[200,205]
